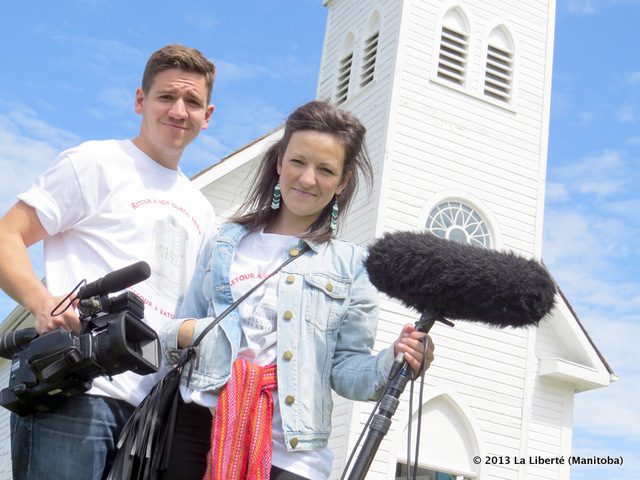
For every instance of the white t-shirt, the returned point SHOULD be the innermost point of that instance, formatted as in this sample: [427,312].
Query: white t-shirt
[106,205]
[257,255]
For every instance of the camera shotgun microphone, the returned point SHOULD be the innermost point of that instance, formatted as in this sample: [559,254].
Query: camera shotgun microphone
[447,279]
[116,280]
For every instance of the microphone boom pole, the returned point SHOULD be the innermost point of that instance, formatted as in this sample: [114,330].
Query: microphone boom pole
[445,279]
[389,402]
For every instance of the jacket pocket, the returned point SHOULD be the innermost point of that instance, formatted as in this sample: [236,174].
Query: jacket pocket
[325,300]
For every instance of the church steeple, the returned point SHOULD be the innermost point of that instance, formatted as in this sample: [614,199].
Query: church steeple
[455,96]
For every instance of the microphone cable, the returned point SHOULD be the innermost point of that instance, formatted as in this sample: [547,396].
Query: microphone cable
[419,413]
[55,312]
[396,370]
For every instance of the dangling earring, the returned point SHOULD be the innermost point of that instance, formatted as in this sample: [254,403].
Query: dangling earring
[275,202]
[334,215]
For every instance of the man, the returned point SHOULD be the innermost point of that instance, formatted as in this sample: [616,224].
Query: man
[102,206]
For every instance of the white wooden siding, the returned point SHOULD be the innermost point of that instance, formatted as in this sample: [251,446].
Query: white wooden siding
[426,138]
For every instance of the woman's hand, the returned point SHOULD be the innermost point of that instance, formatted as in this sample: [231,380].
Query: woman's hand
[410,344]
[185,334]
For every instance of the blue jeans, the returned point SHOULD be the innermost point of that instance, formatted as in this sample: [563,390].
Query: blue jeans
[75,442]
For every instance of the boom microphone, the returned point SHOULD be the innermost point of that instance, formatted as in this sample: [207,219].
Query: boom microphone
[448,279]
[116,280]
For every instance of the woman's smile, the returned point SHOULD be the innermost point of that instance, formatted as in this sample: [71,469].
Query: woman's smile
[311,175]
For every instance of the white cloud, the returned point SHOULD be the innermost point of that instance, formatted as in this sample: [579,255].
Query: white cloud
[587,247]
[202,153]
[22,120]
[117,106]
[593,297]
[602,445]
[612,411]
[601,188]
[227,71]
[288,67]
[562,102]
[202,21]
[235,123]
[556,192]
[624,2]
[626,209]
[581,252]
[602,175]
[238,121]
[105,54]
[592,260]
[117,99]
[586,118]
[633,78]
[28,146]
[567,235]
[626,114]
[580,7]
[591,7]
[612,337]
[595,165]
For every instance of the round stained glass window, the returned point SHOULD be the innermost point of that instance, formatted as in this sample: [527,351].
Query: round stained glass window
[460,223]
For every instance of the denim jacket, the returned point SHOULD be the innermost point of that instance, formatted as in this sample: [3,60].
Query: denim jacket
[326,324]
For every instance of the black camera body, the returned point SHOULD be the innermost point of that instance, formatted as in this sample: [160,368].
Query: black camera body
[47,369]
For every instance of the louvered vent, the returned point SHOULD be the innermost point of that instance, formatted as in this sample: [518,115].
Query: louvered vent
[344,73]
[452,61]
[499,75]
[369,59]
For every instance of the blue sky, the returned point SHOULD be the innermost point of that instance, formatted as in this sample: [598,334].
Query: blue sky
[70,69]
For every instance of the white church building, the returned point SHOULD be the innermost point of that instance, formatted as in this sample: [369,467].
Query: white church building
[455,95]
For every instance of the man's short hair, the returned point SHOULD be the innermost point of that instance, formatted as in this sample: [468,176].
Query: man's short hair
[178,56]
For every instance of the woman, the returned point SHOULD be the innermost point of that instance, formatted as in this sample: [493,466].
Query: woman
[311,326]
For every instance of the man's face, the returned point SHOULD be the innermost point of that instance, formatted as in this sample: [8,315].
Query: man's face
[174,111]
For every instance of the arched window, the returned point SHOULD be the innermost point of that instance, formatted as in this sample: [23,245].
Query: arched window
[448,454]
[344,70]
[454,46]
[456,221]
[370,51]
[498,79]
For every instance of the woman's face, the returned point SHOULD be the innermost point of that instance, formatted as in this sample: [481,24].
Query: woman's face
[311,174]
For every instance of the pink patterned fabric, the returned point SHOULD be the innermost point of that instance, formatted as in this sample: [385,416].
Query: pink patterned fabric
[241,431]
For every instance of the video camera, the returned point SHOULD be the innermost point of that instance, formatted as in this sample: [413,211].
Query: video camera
[47,369]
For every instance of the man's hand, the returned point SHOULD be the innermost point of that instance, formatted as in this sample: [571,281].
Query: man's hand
[44,322]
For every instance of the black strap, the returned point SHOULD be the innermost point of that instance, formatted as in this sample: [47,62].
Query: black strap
[300,252]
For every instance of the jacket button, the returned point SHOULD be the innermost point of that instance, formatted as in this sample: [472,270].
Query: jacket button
[289,399]
[294,252]
[288,315]
[290,278]
[287,355]
[293,442]
[329,287]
